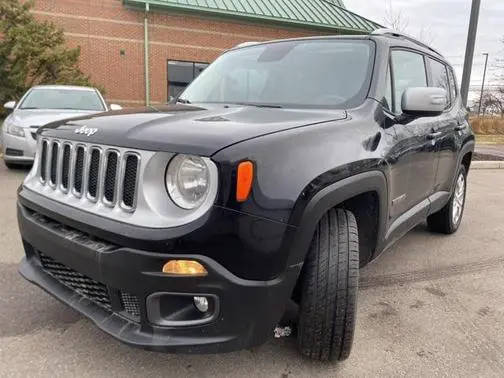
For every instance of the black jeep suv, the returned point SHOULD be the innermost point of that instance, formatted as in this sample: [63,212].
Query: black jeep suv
[279,171]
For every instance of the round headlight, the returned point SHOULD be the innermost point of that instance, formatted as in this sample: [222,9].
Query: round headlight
[187,181]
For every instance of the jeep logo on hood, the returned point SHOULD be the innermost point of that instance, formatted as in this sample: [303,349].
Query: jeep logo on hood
[88,131]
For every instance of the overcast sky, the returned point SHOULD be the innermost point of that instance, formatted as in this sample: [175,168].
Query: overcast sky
[446,23]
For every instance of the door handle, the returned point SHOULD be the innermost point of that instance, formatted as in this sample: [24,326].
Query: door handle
[434,135]
[460,127]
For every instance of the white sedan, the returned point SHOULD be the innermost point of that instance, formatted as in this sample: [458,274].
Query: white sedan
[41,105]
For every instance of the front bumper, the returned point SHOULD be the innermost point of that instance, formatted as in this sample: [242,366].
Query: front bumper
[247,313]
[27,145]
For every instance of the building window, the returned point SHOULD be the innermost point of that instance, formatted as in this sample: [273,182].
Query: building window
[181,74]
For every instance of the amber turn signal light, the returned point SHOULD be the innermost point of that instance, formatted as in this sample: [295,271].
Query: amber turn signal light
[244,179]
[184,267]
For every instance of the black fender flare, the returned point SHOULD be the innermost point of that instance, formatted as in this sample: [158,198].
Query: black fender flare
[467,147]
[329,197]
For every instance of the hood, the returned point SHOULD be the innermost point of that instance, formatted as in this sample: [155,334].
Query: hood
[201,130]
[40,117]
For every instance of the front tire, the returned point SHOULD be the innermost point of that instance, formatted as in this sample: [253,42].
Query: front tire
[448,219]
[329,286]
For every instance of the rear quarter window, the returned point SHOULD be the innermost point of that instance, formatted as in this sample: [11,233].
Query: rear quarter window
[439,78]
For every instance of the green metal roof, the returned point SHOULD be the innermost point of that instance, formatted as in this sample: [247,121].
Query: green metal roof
[322,14]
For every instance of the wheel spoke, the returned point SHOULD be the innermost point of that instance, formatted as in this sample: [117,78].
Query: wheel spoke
[458,199]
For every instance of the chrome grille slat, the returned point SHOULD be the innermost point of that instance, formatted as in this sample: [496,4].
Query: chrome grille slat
[90,172]
[85,172]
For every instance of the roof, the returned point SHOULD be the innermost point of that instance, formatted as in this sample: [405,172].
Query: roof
[389,33]
[315,14]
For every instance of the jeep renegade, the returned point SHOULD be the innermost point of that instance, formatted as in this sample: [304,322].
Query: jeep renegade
[279,171]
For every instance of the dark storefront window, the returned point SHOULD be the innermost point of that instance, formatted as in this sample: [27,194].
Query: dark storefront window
[180,75]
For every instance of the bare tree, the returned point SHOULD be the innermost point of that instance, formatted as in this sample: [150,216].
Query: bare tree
[395,19]
[426,35]
[492,103]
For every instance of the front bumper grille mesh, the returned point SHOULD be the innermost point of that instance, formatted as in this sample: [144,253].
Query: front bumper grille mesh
[130,304]
[85,286]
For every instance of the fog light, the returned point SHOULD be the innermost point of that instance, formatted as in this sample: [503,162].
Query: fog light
[184,267]
[201,303]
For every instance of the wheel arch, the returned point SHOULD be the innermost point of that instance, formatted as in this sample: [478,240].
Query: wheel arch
[347,193]
[464,158]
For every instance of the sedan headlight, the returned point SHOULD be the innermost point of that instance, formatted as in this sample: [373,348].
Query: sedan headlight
[187,181]
[12,129]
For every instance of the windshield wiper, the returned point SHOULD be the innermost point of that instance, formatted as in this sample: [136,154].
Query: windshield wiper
[29,108]
[183,101]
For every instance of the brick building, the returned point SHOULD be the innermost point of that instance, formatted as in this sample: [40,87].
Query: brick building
[178,38]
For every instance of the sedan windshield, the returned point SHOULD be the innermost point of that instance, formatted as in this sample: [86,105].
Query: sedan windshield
[52,98]
[303,73]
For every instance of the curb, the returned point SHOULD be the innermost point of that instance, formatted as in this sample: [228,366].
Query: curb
[487,165]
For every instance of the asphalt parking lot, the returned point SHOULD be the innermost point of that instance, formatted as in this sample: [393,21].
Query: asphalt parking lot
[431,305]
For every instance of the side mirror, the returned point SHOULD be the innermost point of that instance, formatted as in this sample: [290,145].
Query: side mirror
[423,102]
[10,105]
[171,100]
[115,107]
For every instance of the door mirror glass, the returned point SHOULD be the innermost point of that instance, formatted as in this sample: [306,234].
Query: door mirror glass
[115,107]
[423,101]
[10,105]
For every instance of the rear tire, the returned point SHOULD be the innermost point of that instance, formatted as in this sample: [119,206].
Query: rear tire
[448,219]
[329,284]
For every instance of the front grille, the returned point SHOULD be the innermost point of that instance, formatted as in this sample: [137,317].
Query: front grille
[98,173]
[85,286]
[13,152]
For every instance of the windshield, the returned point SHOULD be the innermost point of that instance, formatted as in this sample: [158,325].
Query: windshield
[302,73]
[52,98]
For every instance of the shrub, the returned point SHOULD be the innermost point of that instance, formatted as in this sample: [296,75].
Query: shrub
[488,125]
[33,52]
